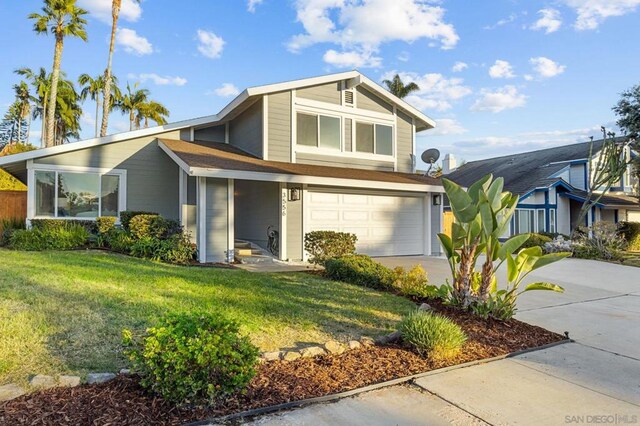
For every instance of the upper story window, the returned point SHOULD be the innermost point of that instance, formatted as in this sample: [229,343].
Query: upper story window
[63,194]
[374,138]
[319,131]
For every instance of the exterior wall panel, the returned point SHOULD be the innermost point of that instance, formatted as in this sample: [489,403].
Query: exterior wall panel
[367,100]
[329,93]
[294,228]
[404,143]
[216,220]
[256,208]
[348,162]
[211,134]
[245,131]
[279,124]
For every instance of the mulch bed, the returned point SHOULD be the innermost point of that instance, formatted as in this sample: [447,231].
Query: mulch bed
[123,402]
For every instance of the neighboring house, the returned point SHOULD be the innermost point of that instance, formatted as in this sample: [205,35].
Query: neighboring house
[335,152]
[552,184]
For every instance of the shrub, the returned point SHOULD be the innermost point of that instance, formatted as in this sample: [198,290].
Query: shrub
[536,240]
[432,335]
[55,224]
[413,283]
[105,224]
[193,358]
[127,215]
[324,245]
[7,227]
[37,239]
[359,269]
[175,249]
[119,240]
[559,245]
[600,241]
[146,225]
[630,231]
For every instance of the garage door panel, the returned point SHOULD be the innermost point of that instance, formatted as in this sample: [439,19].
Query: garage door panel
[385,225]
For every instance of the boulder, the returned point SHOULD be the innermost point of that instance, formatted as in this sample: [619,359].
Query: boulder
[389,338]
[272,356]
[42,381]
[69,381]
[10,391]
[291,355]
[333,347]
[312,351]
[354,344]
[425,307]
[125,372]
[367,341]
[99,377]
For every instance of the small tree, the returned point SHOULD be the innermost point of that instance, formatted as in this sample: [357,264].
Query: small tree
[397,87]
[628,111]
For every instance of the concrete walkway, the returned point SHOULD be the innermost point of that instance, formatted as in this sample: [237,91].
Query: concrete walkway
[598,375]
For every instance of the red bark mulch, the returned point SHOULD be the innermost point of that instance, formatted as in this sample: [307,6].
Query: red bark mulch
[123,402]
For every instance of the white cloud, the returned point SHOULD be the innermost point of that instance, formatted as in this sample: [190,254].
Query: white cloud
[447,126]
[352,59]
[546,68]
[132,42]
[502,22]
[101,9]
[252,4]
[159,80]
[227,90]
[591,13]
[459,66]
[210,45]
[365,25]
[436,91]
[499,100]
[501,69]
[549,21]
[404,56]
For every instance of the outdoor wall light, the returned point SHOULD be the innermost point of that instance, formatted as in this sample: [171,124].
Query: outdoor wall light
[294,194]
[437,199]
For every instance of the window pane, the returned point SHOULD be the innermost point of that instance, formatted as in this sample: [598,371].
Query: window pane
[45,193]
[109,195]
[364,137]
[552,220]
[307,130]
[384,140]
[541,227]
[78,194]
[524,221]
[329,132]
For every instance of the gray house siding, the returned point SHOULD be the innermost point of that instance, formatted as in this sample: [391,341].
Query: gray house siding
[404,143]
[367,100]
[152,177]
[348,144]
[294,228]
[256,208]
[329,93]
[279,123]
[216,220]
[245,131]
[336,161]
[211,134]
[577,176]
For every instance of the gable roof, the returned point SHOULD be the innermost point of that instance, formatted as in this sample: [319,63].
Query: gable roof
[247,96]
[213,159]
[607,200]
[523,173]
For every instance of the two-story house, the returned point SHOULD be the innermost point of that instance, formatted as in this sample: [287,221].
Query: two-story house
[553,184]
[335,152]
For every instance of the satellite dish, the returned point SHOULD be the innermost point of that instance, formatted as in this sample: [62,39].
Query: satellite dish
[430,156]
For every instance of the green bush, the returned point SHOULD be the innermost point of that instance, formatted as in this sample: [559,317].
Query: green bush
[536,240]
[325,245]
[600,241]
[432,335]
[175,249]
[70,237]
[361,270]
[55,224]
[105,224]
[127,215]
[193,358]
[7,227]
[413,283]
[119,240]
[154,226]
[630,231]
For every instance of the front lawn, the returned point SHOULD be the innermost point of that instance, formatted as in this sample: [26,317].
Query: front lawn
[63,312]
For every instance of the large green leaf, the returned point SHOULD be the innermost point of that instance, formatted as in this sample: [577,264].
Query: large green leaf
[474,189]
[548,259]
[488,220]
[512,269]
[512,244]
[494,194]
[544,286]
[462,206]
[447,244]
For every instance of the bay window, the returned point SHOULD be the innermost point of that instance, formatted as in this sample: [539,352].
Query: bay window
[78,195]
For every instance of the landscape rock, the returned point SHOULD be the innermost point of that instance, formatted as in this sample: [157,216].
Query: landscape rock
[354,344]
[99,377]
[389,338]
[10,391]
[312,351]
[425,307]
[272,356]
[42,381]
[291,355]
[334,347]
[125,372]
[367,341]
[69,381]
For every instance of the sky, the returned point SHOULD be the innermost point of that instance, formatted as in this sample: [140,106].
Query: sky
[498,76]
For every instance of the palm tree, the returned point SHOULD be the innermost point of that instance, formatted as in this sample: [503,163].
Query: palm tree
[107,103]
[23,106]
[68,113]
[40,82]
[131,102]
[93,88]
[63,19]
[398,88]
[151,110]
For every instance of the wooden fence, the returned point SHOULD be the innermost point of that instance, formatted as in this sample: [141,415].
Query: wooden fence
[448,222]
[13,204]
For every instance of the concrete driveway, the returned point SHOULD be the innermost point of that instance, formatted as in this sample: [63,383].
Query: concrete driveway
[594,380]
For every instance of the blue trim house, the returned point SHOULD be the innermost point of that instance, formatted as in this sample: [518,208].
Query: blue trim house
[553,184]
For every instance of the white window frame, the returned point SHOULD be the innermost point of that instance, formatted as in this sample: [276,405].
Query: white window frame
[354,125]
[553,224]
[318,147]
[32,168]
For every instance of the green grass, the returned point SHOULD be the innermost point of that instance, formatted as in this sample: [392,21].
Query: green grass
[63,312]
[631,258]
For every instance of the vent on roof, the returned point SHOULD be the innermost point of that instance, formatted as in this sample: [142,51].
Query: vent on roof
[348,97]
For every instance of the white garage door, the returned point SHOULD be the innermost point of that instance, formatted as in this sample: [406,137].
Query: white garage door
[385,225]
[633,216]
